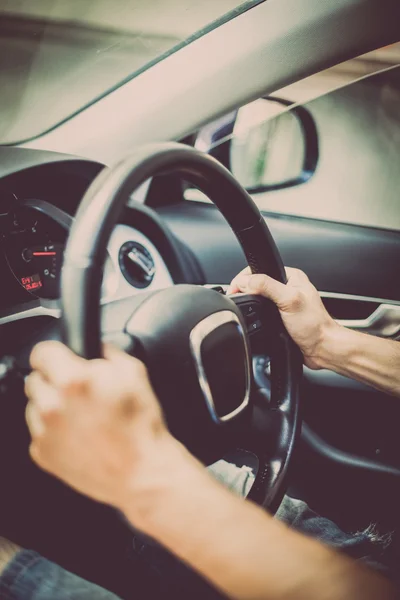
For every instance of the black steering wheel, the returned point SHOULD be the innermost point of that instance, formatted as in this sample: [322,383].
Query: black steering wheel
[197,343]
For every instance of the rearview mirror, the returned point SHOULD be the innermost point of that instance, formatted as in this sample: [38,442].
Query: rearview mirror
[267,144]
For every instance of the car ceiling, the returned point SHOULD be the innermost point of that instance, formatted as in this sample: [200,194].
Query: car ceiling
[264,49]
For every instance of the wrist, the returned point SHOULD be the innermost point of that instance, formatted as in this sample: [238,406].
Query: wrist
[153,487]
[333,346]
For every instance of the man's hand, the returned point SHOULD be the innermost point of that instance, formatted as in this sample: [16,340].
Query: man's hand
[96,424]
[324,343]
[300,306]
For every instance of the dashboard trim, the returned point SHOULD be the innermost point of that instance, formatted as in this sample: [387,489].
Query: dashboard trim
[52,308]
[38,311]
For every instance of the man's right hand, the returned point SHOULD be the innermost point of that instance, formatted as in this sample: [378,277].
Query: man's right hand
[300,306]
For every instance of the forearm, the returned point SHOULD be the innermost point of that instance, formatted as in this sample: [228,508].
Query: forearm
[369,359]
[241,549]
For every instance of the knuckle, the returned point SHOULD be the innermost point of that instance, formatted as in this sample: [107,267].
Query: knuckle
[258,283]
[76,383]
[296,300]
[236,281]
[67,387]
[243,272]
[126,406]
[50,414]
[240,281]
[42,350]
[39,348]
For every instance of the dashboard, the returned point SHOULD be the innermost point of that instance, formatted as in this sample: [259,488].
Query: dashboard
[33,236]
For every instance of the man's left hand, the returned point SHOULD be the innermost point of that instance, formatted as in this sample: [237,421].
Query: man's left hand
[97,425]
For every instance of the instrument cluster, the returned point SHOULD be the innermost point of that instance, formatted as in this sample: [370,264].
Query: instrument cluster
[33,246]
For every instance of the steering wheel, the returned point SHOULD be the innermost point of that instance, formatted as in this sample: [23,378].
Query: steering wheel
[196,342]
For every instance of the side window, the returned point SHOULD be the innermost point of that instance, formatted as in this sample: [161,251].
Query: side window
[318,152]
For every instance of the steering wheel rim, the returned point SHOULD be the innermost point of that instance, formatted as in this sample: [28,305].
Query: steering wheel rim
[82,272]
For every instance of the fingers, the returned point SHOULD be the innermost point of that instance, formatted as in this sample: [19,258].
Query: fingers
[44,403]
[133,379]
[58,364]
[61,367]
[35,424]
[71,377]
[233,288]
[42,394]
[287,297]
[130,367]
[43,409]
[121,358]
[264,285]
[62,382]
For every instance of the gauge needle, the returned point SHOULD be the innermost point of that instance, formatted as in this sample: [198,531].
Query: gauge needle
[44,253]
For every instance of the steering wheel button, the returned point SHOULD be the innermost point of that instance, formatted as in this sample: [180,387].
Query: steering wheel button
[248,310]
[254,326]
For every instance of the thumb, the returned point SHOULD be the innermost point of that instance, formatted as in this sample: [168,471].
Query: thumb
[263,285]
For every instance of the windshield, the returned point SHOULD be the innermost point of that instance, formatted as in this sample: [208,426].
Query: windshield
[58,56]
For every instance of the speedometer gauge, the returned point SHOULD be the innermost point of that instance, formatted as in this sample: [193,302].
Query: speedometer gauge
[33,254]
[43,263]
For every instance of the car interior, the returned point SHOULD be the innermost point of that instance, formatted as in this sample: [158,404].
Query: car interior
[303,116]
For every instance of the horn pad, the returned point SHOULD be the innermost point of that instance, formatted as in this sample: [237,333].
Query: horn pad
[196,350]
